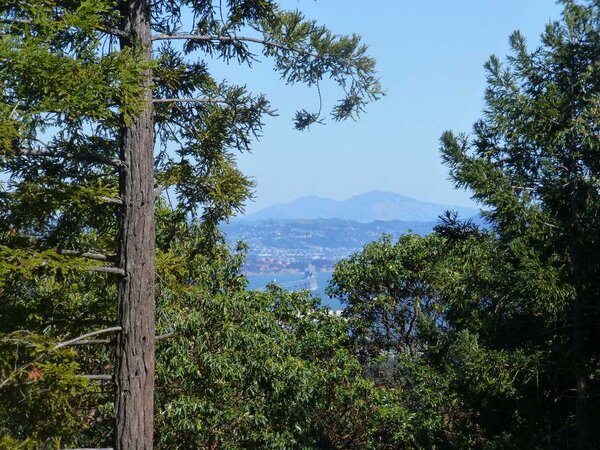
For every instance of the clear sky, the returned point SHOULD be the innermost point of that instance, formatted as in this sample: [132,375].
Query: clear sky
[430,57]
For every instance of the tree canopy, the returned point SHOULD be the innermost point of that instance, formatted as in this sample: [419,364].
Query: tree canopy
[479,335]
[502,317]
[108,108]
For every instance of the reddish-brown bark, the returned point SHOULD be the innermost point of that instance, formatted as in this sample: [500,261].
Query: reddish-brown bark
[136,315]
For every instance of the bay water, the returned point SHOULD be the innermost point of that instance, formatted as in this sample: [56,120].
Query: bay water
[261,280]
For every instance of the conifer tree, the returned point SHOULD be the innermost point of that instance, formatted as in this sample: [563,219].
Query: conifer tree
[504,320]
[104,105]
[533,160]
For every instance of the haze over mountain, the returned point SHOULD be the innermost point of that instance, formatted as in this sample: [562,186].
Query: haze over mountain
[368,207]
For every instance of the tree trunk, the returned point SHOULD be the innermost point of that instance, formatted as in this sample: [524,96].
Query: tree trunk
[577,250]
[135,348]
[580,377]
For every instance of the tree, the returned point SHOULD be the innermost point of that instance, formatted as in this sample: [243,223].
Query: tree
[243,369]
[469,328]
[388,292]
[88,89]
[514,337]
[533,161]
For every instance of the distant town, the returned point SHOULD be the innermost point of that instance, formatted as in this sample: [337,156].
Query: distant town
[285,238]
[288,246]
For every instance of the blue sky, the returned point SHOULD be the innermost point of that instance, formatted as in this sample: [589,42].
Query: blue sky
[430,58]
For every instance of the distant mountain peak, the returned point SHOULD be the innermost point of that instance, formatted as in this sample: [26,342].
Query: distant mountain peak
[367,207]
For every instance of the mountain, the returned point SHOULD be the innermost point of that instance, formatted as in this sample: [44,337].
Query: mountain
[321,231]
[369,207]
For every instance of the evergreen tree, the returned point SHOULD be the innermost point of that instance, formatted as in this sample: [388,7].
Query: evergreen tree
[506,332]
[533,160]
[100,112]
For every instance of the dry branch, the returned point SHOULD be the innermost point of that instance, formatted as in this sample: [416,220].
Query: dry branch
[165,336]
[100,377]
[87,335]
[93,342]
[110,270]
[114,201]
[88,255]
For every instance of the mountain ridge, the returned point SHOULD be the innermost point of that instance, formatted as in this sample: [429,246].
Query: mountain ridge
[364,208]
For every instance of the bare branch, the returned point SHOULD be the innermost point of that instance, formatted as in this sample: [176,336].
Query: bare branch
[87,335]
[6,381]
[70,342]
[110,270]
[109,341]
[187,100]
[116,201]
[68,155]
[93,342]
[88,255]
[115,32]
[165,336]
[98,377]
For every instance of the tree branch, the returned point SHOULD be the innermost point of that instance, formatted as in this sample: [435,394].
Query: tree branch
[87,335]
[114,32]
[88,255]
[227,39]
[110,270]
[92,342]
[164,336]
[66,344]
[115,201]
[98,377]
[68,155]
[187,100]
[160,337]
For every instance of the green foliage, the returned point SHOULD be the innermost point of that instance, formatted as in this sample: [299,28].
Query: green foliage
[503,321]
[240,369]
[68,89]
[297,42]
[439,317]
[533,161]
[388,293]
[45,401]
[266,370]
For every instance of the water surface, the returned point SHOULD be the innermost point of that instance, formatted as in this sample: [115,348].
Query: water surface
[260,281]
